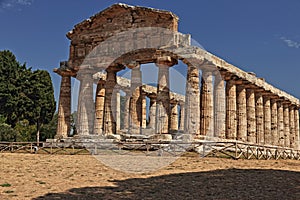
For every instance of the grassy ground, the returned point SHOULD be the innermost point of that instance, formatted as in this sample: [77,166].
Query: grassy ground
[37,176]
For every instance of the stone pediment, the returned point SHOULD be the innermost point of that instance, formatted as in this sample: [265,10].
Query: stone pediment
[118,18]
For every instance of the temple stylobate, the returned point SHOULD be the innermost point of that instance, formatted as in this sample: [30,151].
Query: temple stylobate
[220,100]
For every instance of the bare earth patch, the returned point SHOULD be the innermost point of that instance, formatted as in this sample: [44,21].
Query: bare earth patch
[35,176]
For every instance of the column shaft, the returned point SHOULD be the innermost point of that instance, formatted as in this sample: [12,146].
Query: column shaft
[126,112]
[191,112]
[182,113]
[174,117]
[231,123]
[267,120]
[297,139]
[144,111]
[118,111]
[280,124]
[207,104]
[274,122]
[99,107]
[64,108]
[241,113]
[292,127]
[286,122]
[259,118]
[220,107]
[152,113]
[251,118]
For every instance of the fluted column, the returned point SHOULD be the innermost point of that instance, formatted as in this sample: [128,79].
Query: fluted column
[251,117]
[182,111]
[292,126]
[64,108]
[286,122]
[259,118]
[274,122]
[280,124]
[126,111]
[86,107]
[174,117]
[118,111]
[207,104]
[297,139]
[241,113]
[144,111]
[267,120]
[163,100]
[152,113]
[99,107]
[136,101]
[219,106]
[109,121]
[231,123]
[191,112]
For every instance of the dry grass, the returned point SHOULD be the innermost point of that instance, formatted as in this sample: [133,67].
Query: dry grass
[34,176]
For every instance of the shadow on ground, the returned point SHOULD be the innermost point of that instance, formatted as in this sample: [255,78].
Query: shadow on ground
[218,184]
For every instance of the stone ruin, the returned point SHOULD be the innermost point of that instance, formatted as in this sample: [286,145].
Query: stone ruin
[220,101]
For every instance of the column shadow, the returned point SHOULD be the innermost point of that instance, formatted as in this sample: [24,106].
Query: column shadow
[222,184]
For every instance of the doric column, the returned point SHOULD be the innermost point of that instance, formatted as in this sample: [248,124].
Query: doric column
[259,109]
[152,113]
[251,117]
[182,111]
[64,108]
[135,108]
[267,120]
[86,107]
[292,126]
[144,111]
[241,113]
[99,107]
[109,121]
[280,124]
[219,106]
[207,104]
[118,111]
[231,123]
[163,95]
[286,122]
[174,117]
[191,111]
[297,139]
[274,122]
[126,111]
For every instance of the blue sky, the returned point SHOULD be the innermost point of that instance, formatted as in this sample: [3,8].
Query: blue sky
[262,36]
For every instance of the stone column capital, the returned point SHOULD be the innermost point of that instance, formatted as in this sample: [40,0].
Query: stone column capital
[165,61]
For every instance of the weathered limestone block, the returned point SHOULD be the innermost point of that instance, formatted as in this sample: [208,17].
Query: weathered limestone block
[136,101]
[292,127]
[207,104]
[241,113]
[280,124]
[174,117]
[109,121]
[86,107]
[99,107]
[231,123]
[251,117]
[297,139]
[267,120]
[191,111]
[181,116]
[64,108]
[152,113]
[274,122]
[286,122]
[163,100]
[259,109]
[220,106]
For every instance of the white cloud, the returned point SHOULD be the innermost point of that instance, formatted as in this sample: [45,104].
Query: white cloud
[6,4]
[291,43]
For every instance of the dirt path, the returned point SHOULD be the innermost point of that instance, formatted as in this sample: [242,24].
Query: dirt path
[30,176]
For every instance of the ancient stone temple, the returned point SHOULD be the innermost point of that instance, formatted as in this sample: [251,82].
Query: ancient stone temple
[220,100]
